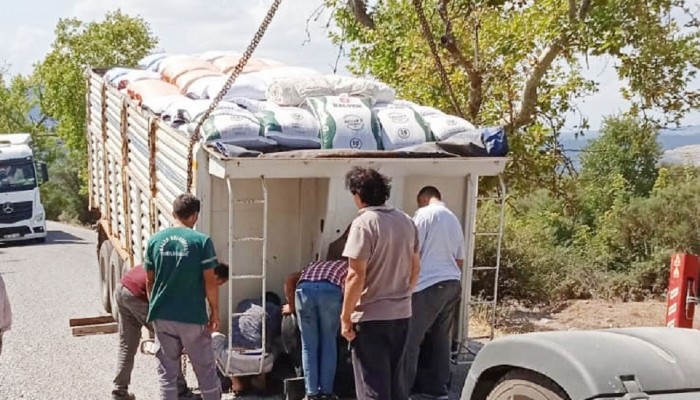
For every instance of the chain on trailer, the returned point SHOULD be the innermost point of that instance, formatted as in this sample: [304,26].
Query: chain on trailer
[229,82]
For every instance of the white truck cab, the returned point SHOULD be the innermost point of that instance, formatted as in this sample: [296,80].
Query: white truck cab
[21,212]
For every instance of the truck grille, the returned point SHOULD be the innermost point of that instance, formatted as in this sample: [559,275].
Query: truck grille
[15,212]
[17,230]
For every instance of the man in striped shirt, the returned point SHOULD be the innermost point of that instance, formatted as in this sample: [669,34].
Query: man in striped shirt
[316,295]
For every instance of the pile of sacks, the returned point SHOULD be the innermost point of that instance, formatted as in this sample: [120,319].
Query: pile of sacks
[274,106]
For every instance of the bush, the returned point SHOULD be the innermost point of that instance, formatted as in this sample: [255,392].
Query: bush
[61,195]
[538,263]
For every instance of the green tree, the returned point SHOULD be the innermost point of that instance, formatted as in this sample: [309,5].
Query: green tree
[519,62]
[16,101]
[118,40]
[628,152]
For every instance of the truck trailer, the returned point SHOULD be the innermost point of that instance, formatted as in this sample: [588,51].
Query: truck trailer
[271,215]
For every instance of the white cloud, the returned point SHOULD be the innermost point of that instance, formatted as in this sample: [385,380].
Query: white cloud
[22,46]
[185,26]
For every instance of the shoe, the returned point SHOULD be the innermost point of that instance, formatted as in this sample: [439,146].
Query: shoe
[328,397]
[425,396]
[119,394]
[188,394]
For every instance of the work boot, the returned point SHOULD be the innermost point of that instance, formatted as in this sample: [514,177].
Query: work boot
[188,394]
[122,394]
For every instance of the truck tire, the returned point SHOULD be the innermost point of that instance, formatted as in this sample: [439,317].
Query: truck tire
[103,260]
[116,265]
[522,384]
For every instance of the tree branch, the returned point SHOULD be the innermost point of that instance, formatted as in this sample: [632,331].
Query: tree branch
[359,8]
[528,102]
[449,42]
[40,122]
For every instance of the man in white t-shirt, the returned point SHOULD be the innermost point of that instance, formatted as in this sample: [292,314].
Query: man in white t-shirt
[436,296]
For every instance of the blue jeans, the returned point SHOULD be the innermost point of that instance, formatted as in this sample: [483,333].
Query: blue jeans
[318,307]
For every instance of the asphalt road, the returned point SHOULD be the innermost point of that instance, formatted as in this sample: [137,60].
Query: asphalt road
[48,284]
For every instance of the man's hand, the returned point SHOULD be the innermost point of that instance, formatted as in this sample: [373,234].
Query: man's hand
[213,323]
[346,329]
[287,309]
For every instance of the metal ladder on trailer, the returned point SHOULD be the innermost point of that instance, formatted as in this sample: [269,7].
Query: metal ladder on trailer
[466,351]
[233,242]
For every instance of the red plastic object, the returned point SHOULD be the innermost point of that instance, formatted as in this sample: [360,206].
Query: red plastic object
[682,290]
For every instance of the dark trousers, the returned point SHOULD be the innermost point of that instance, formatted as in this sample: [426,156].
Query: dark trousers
[427,360]
[132,317]
[377,357]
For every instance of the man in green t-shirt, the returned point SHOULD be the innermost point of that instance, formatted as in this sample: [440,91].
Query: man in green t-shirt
[180,265]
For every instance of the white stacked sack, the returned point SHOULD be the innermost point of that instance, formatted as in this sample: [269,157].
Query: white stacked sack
[379,92]
[446,126]
[346,122]
[234,125]
[401,127]
[291,127]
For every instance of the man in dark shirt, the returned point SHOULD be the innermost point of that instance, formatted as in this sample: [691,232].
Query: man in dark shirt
[132,303]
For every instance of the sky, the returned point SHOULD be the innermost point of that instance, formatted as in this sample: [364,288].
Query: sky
[186,26]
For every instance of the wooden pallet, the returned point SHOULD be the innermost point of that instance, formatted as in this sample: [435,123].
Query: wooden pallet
[93,325]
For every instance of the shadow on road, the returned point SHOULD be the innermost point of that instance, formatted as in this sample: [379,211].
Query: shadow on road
[60,237]
[52,237]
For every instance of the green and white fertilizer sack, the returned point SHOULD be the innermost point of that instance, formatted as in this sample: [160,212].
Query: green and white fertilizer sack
[291,127]
[401,127]
[346,122]
[234,126]
[445,126]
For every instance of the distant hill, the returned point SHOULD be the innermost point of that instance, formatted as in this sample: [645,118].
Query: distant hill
[680,145]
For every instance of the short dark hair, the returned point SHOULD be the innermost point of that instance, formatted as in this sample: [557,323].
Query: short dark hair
[185,206]
[221,271]
[272,297]
[430,191]
[373,188]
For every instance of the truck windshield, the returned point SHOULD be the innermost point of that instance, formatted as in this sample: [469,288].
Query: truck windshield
[16,175]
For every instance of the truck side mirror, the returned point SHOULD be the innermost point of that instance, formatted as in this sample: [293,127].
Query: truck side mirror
[44,172]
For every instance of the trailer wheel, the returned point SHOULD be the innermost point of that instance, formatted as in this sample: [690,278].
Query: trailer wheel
[116,266]
[104,255]
[526,385]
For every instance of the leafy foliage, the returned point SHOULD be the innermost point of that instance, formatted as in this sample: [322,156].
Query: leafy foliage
[59,86]
[118,40]
[519,63]
[613,236]
[15,106]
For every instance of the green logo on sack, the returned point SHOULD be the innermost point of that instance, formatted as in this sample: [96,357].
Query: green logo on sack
[353,122]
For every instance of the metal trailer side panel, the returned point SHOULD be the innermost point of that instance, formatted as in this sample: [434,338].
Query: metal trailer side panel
[590,364]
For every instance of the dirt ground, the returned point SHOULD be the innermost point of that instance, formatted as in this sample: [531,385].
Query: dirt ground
[572,315]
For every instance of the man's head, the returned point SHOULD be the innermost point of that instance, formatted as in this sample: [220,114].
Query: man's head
[272,297]
[186,209]
[426,194]
[368,187]
[221,272]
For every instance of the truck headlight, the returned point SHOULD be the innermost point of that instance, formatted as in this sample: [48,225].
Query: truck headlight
[39,217]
